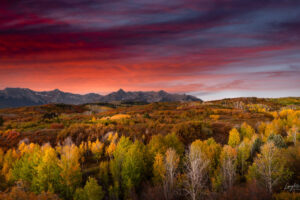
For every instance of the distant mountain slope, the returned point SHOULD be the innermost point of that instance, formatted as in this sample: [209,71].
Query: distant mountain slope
[148,97]
[17,97]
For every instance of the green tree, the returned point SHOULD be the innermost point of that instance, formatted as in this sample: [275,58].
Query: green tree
[160,144]
[24,169]
[104,172]
[10,157]
[256,144]
[80,194]
[243,154]
[48,172]
[118,157]
[133,165]
[91,191]
[277,140]
[269,168]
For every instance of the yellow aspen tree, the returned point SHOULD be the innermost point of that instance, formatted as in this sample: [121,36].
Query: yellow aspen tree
[159,170]
[97,149]
[196,172]
[83,149]
[112,138]
[11,156]
[243,153]
[48,172]
[211,150]
[246,131]
[70,169]
[171,165]
[234,138]
[228,166]
[293,134]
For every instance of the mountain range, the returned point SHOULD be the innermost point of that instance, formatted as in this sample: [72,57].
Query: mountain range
[17,97]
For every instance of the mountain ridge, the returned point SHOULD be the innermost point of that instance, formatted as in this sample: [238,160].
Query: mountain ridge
[18,97]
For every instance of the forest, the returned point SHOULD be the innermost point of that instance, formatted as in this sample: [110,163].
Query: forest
[241,148]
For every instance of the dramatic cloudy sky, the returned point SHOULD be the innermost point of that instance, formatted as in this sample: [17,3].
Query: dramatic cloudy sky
[209,48]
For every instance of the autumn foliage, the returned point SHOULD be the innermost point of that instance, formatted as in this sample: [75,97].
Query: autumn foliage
[155,151]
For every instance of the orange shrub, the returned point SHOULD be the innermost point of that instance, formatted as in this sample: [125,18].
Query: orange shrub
[214,117]
[56,126]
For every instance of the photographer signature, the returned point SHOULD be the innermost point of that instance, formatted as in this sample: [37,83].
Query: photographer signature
[292,188]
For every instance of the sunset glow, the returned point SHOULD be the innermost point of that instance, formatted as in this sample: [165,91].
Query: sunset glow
[210,49]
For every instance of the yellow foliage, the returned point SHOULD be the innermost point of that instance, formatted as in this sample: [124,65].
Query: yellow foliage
[58,148]
[171,159]
[274,127]
[120,116]
[97,148]
[287,195]
[70,167]
[23,148]
[159,169]
[257,107]
[247,131]
[234,138]
[83,148]
[228,152]
[112,137]
[94,119]
[110,149]
[211,151]
[9,159]
[116,117]
[214,117]
[285,112]
[262,127]
[274,114]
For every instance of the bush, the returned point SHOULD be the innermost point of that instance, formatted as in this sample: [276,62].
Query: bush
[287,195]
[56,126]
[256,146]
[192,130]
[250,191]
[278,140]
[214,117]
[91,191]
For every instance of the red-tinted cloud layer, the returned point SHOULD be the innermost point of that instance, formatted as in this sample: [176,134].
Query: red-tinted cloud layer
[208,48]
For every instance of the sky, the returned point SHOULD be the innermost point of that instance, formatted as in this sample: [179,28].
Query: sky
[212,49]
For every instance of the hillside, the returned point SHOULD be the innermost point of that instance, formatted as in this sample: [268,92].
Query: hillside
[155,118]
[99,130]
